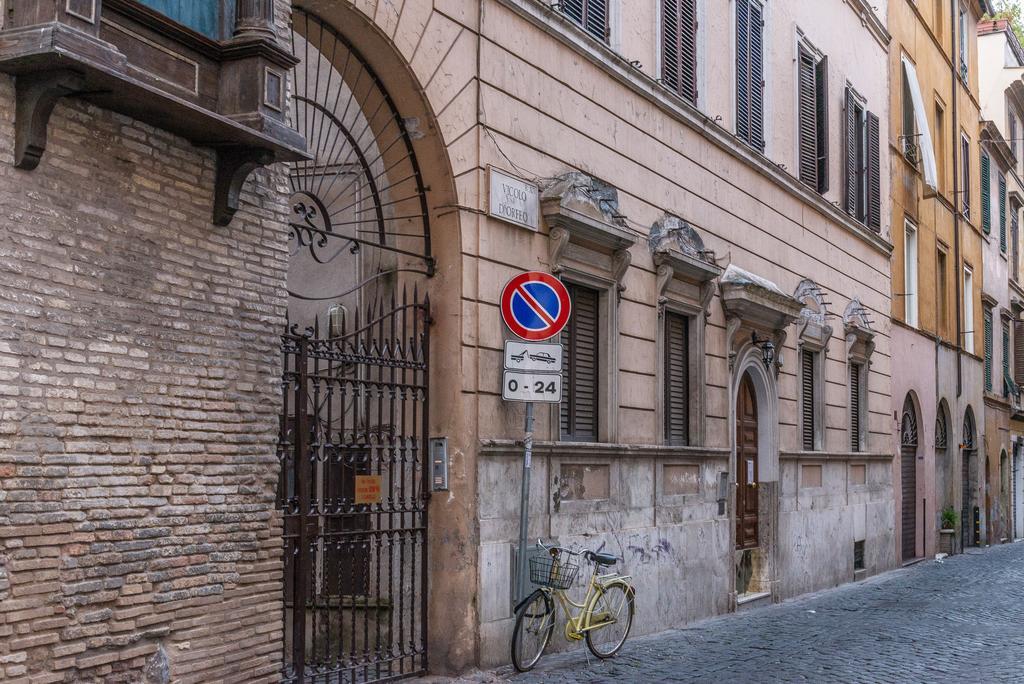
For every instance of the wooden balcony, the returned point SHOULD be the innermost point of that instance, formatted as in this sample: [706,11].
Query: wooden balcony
[227,94]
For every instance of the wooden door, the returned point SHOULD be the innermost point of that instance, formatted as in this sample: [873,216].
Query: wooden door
[908,467]
[746,466]
[966,514]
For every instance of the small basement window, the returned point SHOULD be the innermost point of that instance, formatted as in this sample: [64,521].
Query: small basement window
[858,555]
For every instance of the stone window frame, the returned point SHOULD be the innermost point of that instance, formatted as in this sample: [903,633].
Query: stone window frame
[813,335]
[686,274]
[860,346]
[588,244]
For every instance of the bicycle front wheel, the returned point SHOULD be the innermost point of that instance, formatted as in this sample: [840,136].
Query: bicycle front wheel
[612,617]
[535,620]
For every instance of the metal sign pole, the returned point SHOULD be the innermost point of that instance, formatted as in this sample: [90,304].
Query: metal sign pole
[524,502]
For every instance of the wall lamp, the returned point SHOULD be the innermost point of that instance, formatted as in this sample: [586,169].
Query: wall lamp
[767,348]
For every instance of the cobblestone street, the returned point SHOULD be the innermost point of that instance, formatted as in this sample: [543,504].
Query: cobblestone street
[958,620]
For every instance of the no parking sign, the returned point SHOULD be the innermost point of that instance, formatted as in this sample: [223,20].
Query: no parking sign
[535,306]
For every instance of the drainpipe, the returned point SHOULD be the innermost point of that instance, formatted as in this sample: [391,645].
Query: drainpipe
[959,276]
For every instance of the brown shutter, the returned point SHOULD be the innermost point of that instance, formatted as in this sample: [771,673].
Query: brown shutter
[855,406]
[677,379]
[808,118]
[757,84]
[591,15]
[850,152]
[821,97]
[679,47]
[743,69]
[580,374]
[807,398]
[874,171]
[1018,352]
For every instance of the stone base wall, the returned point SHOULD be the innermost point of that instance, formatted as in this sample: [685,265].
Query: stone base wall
[139,373]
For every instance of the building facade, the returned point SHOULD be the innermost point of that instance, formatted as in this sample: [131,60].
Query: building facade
[252,355]
[938,271]
[1002,99]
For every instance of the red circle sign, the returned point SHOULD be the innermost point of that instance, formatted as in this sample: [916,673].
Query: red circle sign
[535,306]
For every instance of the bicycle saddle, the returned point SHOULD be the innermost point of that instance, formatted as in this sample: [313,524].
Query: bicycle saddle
[602,558]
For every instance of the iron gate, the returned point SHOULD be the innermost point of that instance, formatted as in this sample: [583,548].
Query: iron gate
[353,495]
[353,486]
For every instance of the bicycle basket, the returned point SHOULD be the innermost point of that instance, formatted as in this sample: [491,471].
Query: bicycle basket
[552,572]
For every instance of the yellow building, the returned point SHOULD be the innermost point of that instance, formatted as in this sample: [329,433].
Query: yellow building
[937,269]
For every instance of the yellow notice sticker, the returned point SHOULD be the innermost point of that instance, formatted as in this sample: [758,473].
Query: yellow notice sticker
[368,489]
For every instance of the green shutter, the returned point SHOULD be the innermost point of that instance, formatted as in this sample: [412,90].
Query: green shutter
[988,349]
[1002,213]
[986,199]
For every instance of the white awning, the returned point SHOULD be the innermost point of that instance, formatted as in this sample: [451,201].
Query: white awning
[924,140]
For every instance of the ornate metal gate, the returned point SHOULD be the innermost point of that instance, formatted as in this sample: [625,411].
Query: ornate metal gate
[353,486]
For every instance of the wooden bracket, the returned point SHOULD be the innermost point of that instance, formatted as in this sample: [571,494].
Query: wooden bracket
[36,95]
[234,164]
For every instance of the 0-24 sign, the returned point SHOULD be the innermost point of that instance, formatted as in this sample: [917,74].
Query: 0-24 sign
[525,386]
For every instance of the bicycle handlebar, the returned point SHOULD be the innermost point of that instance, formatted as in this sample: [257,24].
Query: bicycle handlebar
[575,550]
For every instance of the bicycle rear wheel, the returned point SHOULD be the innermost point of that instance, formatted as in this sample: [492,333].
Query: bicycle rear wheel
[535,620]
[612,610]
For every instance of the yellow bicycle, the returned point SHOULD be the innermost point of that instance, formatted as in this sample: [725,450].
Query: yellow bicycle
[605,614]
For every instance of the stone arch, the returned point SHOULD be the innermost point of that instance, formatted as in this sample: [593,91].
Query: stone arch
[756,569]
[968,477]
[405,48]
[749,361]
[945,442]
[911,441]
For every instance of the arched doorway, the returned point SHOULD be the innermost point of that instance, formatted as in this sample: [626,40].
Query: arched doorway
[908,479]
[967,455]
[353,489]
[747,505]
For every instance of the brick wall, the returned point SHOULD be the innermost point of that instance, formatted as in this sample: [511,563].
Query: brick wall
[139,370]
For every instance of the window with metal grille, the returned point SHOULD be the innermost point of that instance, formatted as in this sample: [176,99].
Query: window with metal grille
[1002,213]
[807,399]
[862,168]
[208,17]
[965,175]
[590,15]
[858,555]
[1004,383]
[942,292]
[910,283]
[986,193]
[856,406]
[679,47]
[812,93]
[963,44]
[909,136]
[677,378]
[579,407]
[987,315]
[750,72]
[968,322]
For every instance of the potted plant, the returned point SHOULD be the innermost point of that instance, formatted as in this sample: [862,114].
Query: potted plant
[948,521]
